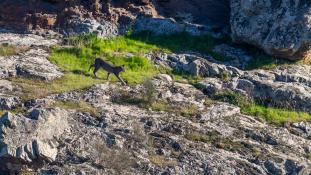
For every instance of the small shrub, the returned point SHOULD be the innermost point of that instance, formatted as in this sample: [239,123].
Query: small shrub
[225,76]
[79,106]
[206,138]
[232,98]
[125,97]
[162,161]
[189,110]
[139,134]
[119,160]
[8,50]
[160,106]
[149,92]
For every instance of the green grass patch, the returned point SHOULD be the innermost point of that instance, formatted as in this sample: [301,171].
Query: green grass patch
[275,115]
[85,48]
[272,115]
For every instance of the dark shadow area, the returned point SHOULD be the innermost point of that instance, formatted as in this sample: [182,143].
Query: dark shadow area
[81,72]
[180,42]
[204,12]
[261,60]
[185,42]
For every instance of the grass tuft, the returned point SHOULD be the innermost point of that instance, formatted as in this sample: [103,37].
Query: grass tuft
[79,106]
[275,115]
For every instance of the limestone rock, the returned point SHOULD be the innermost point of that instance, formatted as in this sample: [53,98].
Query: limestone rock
[168,26]
[26,40]
[32,63]
[31,138]
[281,28]
[100,28]
[8,102]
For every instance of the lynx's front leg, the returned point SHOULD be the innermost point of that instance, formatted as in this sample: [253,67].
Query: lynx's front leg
[120,79]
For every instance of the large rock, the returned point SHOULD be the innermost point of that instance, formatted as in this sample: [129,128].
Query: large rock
[168,26]
[195,64]
[30,138]
[281,28]
[8,102]
[20,40]
[100,28]
[283,87]
[33,63]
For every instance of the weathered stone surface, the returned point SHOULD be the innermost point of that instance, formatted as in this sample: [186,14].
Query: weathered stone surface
[220,111]
[283,89]
[101,28]
[210,85]
[233,53]
[32,63]
[5,85]
[26,40]
[195,64]
[125,133]
[168,26]
[31,138]
[288,87]
[8,102]
[281,27]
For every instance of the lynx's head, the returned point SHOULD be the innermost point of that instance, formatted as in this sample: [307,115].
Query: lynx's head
[121,68]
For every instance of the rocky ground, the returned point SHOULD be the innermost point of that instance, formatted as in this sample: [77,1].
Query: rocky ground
[164,125]
[111,129]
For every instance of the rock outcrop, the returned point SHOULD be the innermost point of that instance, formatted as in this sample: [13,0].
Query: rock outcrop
[30,138]
[281,28]
[113,17]
[32,62]
[288,87]
[125,138]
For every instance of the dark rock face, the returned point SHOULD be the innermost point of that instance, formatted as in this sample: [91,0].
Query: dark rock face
[40,15]
[205,12]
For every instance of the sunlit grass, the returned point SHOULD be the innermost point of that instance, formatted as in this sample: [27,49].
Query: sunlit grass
[34,88]
[275,115]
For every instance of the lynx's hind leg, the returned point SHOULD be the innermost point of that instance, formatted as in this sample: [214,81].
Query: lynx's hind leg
[108,75]
[95,70]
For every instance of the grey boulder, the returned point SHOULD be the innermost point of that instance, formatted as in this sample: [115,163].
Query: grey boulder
[281,28]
